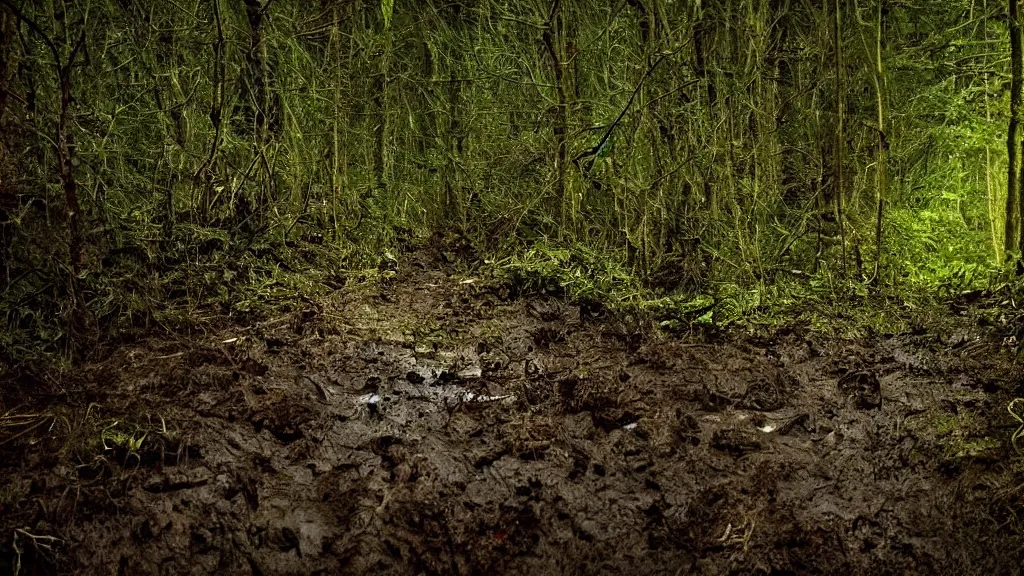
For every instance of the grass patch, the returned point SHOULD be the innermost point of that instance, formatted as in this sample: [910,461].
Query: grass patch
[825,303]
[960,436]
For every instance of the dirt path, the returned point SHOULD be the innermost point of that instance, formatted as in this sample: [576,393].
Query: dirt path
[427,425]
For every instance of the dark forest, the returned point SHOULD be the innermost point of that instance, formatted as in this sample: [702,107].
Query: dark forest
[511,286]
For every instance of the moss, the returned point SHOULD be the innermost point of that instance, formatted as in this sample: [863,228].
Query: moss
[972,447]
[959,436]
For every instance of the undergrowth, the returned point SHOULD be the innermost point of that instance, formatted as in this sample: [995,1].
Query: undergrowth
[203,277]
[825,302]
[200,279]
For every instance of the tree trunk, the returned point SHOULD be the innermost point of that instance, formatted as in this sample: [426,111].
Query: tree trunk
[881,192]
[839,131]
[552,41]
[1013,184]
[7,199]
[204,175]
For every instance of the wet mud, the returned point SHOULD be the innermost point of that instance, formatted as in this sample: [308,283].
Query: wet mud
[432,424]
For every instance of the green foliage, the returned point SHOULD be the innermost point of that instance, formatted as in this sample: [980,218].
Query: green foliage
[932,247]
[826,303]
[386,9]
[115,436]
[572,271]
[230,157]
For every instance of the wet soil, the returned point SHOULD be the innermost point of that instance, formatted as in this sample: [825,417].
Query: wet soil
[432,424]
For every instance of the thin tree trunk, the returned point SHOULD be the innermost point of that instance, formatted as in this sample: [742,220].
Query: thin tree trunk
[65,156]
[1011,230]
[1017,66]
[454,148]
[989,187]
[335,124]
[552,40]
[7,227]
[881,192]
[840,217]
[379,129]
[204,174]
[6,37]
[259,96]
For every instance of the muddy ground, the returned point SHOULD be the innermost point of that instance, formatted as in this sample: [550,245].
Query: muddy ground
[432,423]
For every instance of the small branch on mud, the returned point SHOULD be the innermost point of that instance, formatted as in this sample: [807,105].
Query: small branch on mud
[276,321]
[27,423]
[41,544]
[740,535]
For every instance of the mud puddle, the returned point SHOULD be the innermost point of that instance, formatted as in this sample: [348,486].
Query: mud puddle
[427,425]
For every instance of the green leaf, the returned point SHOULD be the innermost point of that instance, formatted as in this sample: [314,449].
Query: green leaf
[386,9]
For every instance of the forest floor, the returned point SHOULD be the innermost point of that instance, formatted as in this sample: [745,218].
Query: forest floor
[432,423]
